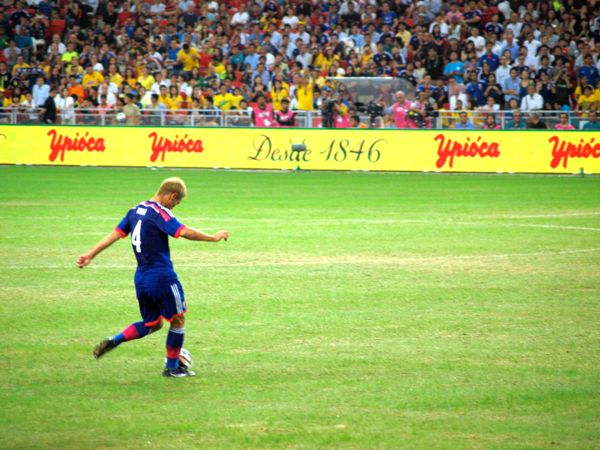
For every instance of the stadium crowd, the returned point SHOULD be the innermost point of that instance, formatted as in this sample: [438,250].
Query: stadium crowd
[470,64]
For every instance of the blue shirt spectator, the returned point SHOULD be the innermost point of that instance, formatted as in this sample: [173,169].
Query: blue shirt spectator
[512,47]
[455,68]
[589,71]
[489,57]
[474,89]
[511,86]
[463,122]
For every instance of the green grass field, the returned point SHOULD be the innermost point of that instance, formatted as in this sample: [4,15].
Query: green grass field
[347,311]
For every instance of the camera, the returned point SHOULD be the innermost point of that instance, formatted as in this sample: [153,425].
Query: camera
[328,109]
[373,109]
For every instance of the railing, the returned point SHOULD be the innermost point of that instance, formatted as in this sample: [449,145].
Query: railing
[304,119]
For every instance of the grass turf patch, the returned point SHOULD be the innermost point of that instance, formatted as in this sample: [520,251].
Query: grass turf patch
[348,310]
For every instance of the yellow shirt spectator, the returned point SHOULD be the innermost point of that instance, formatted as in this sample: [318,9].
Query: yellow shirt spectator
[117,79]
[236,100]
[223,101]
[277,97]
[587,102]
[19,66]
[68,56]
[146,80]
[189,58]
[219,69]
[305,96]
[74,69]
[167,101]
[177,102]
[92,79]
[324,61]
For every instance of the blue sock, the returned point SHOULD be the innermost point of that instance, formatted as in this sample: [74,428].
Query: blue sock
[136,330]
[174,344]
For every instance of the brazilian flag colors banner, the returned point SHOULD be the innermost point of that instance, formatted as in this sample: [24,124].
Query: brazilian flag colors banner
[559,152]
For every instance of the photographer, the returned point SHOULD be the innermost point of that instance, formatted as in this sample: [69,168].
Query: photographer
[285,117]
[330,108]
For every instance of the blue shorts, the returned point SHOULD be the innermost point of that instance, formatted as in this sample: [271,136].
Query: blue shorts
[160,302]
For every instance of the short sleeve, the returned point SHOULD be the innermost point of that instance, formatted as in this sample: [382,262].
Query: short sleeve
[169,225]
[123,228]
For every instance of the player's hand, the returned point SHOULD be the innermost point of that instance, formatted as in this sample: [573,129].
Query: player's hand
[221,235]
[83,260]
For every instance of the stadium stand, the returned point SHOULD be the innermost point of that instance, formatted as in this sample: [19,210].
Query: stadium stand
[199,63]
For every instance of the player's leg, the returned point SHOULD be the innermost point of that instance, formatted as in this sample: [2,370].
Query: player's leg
[173,310]
[150,311]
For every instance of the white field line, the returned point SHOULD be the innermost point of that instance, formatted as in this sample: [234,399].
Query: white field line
[523,225]
[322,261]
[292,220]
[257,223]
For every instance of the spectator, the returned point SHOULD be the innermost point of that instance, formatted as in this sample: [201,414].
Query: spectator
[511,86]
[490,122]
[535,123]
[589,71]
[474,90]
[464,122]
[131,111]
[593,123]
[104,107]
[411,39]
[223,100]
[356,123]
[285,117]
[91,78]
[509,44]
[587,101]
[454,68]
[516,122]
[561,89]
[48,110]
[27,106]
[40,92]
[532,101]
[65,105]
[564,123]
[262,113]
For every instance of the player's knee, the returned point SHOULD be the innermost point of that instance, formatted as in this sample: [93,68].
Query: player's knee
[178,322]
[157,326]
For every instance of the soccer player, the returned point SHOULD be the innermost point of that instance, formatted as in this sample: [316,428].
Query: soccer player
[158,290]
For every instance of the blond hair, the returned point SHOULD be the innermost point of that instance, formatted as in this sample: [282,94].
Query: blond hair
[173,184]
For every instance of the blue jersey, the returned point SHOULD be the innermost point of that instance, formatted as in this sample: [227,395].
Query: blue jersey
[150,225]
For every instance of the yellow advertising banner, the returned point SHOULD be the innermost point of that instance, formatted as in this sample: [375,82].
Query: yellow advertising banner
[311,149]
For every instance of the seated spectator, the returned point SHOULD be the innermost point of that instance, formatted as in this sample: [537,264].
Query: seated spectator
[532,101]
[535,123]
[490,122]
[593,123]
[490,106]
[587,101]
[564,123]
[464,123]
[456,92]
[516,122]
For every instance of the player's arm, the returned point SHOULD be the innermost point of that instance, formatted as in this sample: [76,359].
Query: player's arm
[196,235]
[104,243]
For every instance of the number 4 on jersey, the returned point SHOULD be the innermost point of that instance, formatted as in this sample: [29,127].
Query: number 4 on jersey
[136,240]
